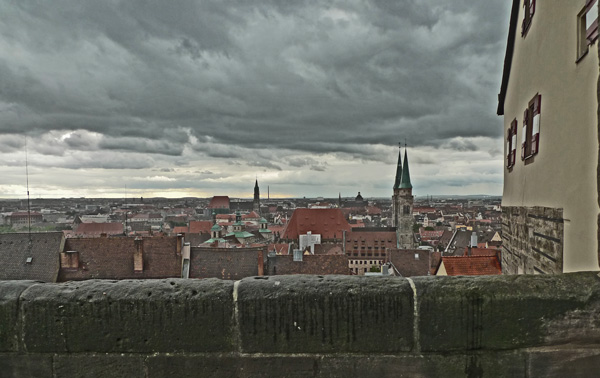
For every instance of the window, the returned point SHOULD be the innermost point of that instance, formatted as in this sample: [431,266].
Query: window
[587,27]
[511,145]
[531,128]
[528,11]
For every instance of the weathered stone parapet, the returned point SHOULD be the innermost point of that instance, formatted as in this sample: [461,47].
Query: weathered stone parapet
[304,326]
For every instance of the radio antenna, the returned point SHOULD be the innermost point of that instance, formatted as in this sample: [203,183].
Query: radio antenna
[28,202]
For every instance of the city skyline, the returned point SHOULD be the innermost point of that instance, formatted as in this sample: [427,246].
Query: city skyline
[200,99]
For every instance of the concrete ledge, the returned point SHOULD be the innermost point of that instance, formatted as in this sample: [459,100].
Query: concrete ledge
[10,292]
[507,312]
[128,316]
[305,326]
[323,314]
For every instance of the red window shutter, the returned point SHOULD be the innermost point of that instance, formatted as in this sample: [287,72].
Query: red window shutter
[513,142]
[508,151]
[535,132]
[524,141]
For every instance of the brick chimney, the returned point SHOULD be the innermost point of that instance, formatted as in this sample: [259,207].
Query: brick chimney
[261,263]
[179,243]
[138,256]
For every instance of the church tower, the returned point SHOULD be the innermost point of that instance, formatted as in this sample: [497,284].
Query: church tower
[402,204]
[256,205]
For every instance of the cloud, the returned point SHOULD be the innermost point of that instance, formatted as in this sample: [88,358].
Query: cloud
[263,83]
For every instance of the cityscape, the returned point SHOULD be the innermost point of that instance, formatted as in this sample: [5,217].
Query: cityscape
[304,189]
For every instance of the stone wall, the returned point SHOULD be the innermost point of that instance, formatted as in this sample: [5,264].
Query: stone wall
[303,326]
[532,240]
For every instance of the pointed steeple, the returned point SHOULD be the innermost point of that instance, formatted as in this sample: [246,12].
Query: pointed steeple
[256,190]
[398,169]
[405,181]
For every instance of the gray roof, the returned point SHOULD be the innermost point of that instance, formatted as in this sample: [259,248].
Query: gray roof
[44,251]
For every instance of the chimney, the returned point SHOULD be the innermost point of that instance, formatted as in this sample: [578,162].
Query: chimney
[297,255]
[474,239]
[179,243]
[69,260]
[261,263]
[138,256]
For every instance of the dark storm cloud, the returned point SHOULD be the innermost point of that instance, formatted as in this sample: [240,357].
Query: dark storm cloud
[309,76]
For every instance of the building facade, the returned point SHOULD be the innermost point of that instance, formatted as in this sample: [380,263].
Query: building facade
[256,202]
[549,102]
[402,204]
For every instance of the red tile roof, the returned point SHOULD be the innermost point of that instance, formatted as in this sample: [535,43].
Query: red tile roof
[112,258]
[310,264]
[226,263]
[471,265]
[413,262]
[372,210]
[197,227]
[329,223]
[219,202]
[250,215]
[481,252]
[96,229]
[180,230]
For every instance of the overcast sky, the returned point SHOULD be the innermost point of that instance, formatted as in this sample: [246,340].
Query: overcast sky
[198,98]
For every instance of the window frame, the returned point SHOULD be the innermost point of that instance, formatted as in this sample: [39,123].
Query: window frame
[591,32]
[511,145]
[528,12]
[530,144]
[586,36]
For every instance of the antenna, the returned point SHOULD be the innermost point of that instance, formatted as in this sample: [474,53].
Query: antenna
[28,203]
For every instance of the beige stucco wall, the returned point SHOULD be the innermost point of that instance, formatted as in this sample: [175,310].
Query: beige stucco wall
[563,173]
[442,270]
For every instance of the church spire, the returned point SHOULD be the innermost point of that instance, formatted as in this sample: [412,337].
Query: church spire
[256,202]
[398,169]
[405,180]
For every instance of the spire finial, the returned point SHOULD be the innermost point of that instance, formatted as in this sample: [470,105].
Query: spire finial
[399,167]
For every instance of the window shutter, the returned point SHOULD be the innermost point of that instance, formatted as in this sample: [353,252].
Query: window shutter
[525,17]
[513,153]
[524,134]
[535,133]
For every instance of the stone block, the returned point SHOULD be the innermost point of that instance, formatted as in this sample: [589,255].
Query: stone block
[480,365]
[316,314]
[98,366]
[199,365]
[507,312]
[571,362]
[129,316]
[26,365]
[10,291]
